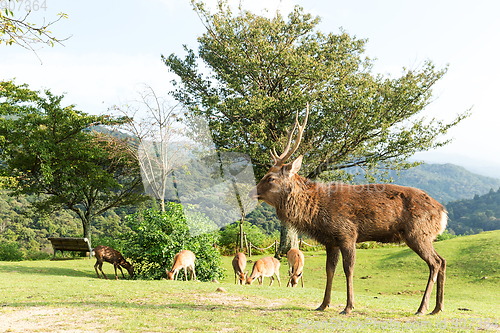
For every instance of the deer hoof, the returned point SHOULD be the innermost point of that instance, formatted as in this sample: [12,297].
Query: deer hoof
[322,307]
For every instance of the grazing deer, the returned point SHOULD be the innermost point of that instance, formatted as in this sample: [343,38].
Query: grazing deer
[106,254]
[182,260]
[239,264]
[339,216]
[265,267]
[296,262]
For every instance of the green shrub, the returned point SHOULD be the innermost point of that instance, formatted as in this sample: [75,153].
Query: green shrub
[228,237]
[10,251]
[157,237]
[445,235]
[113,242]
[37,255]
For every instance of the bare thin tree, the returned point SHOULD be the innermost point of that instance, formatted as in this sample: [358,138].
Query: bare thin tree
[155,140]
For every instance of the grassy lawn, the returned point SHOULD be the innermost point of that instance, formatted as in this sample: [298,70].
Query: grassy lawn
[65,295]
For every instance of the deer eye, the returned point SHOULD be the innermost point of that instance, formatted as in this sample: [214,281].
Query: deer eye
[270,180]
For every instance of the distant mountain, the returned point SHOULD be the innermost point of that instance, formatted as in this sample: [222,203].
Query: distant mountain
[446,182]
[483,166]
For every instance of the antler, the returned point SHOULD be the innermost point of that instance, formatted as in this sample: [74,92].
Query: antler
[279,160]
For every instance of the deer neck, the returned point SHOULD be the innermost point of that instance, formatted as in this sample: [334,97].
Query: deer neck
[298,206]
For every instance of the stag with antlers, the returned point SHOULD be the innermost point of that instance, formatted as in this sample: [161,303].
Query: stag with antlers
[339,216]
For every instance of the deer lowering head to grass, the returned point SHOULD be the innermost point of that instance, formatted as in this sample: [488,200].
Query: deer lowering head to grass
[296,262]
[182,260]
[106,254]
[239,264]
[338,216]
[265,267]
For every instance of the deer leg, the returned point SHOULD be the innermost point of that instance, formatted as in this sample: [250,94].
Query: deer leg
[193,273]
[348,260]
[120,268]
[332,257]
[278,277]
[272,280]
[426,251]
[185,274]
[95,267]
[440,286]
[100,268]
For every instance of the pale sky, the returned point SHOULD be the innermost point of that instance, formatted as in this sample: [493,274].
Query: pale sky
[116,45]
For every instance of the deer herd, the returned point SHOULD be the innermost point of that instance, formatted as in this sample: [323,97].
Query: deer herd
[338,216]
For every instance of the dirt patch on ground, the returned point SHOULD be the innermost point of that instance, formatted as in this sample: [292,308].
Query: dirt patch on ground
[46,319]
[237,300]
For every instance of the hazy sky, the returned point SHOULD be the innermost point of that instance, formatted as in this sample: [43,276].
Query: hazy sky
[116,45]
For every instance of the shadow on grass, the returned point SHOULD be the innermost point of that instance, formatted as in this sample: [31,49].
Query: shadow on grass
[53,271]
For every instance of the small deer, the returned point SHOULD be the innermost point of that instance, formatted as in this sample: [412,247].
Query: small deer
[265,267]
[182,260]
[296,262]
[339,216]
[106,254]
[239,264]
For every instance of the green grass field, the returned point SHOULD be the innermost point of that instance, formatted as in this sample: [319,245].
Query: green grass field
[65,295]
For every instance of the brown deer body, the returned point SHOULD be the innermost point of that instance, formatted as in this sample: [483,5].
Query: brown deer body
[239,265]
[339,216]
[265,267]
[106,254]
[296,262]
[182,260]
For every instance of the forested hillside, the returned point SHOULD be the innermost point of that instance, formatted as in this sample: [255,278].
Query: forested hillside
[264,216]
[446,182]
[31,232]
[471,216]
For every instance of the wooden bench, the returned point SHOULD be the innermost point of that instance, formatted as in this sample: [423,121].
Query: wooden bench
[70,244]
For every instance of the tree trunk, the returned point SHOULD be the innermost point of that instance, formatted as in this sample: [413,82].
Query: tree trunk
[289,238]
[87,232]
[241,235]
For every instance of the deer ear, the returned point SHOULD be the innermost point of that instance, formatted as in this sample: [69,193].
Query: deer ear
[296,165]
[291,169]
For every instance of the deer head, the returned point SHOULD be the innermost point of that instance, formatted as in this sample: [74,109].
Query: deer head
[129,267]
[277,180]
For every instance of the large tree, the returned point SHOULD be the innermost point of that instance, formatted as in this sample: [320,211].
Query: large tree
[252,74]
[52,151]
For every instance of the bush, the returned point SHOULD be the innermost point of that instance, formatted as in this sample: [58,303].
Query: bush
[37,255]
[445,235]
[113,242]
[157,237]
[228,237]
[9,251]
